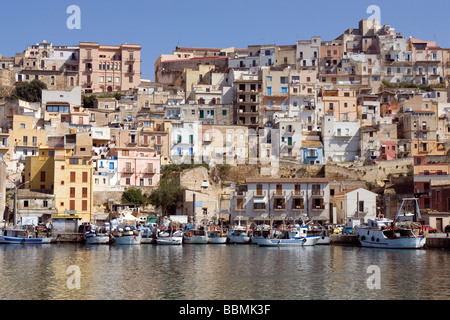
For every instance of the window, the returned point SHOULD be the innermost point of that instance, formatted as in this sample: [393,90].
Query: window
[72,205]
[84,192]
[269,78]
[73,160]
[42,176]
[84,205]
[25,203]
[283,89]
[361,206]
[72,192]
[72,176]
[22,126]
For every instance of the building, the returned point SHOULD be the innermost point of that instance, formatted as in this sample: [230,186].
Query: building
[67,176]
[355,204]
[136,166]
[104,68]
[56,66]
[282,199]
[341,140]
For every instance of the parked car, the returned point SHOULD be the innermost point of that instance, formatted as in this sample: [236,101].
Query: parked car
[430,229]
[447,229]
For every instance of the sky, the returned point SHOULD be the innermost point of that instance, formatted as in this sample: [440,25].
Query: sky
[160,26]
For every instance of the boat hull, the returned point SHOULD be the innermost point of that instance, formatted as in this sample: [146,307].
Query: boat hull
[147,240]
[128,240]
[170,241]
[324,240]
[217,240]
[308,241]
[18,240]
[196,240]
[98,240]
[376,239]
[239,239]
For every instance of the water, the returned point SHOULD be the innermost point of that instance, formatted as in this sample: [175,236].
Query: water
[221,272]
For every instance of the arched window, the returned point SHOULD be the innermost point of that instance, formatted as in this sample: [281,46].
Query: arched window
[201,101]
[72,81]
[45,54]
[52,80]
[213,101]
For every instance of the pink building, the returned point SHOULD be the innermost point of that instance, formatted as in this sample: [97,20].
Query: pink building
[388,151]
[137,166]
[109,68]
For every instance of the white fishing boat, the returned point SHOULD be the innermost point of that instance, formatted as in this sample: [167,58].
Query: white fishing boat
[127,235]
[322,233]
[147,236]
[239,235]
[293,236]
[97,238]
[216,237]
[195,236]
[404,232]
[22,236]
[260,233]
[166,238]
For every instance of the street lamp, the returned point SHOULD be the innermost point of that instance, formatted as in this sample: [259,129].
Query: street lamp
[15,202]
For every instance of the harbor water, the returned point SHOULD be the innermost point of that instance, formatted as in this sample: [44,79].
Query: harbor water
[221,272]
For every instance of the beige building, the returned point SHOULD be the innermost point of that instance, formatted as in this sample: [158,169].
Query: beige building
[109,68]
[341,104]
[56,66]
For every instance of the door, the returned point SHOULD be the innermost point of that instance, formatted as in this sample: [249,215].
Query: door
[439,224]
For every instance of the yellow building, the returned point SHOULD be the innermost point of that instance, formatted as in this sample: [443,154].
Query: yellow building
[69,177]
[24,139]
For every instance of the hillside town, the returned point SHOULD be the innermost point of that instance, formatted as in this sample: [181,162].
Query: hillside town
[320,130]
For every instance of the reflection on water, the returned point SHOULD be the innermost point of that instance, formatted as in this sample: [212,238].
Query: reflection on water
[221,272]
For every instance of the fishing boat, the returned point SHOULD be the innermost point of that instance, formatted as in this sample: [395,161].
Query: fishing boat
[404,232]
[261,232]
[238,235]
[322,233]
[148,235]
[165,238]
[93,237]
[22,236]
[292,236]
[195,236]
[128,235]
[217,237]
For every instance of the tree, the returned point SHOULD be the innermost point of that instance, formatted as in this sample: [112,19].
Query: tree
[30,91]
[135,196]
[167,194]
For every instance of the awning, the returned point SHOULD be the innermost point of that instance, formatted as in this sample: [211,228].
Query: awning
[241,218]
[261,219]
[260,200]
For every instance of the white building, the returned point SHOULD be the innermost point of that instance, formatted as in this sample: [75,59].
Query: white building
[355,204]
[341,140]
[283,199]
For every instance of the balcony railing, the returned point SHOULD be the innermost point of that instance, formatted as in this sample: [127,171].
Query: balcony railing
[128,171]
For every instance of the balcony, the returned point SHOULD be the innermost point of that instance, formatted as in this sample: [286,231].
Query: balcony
[297,194]
[318,208]
[279,194]
[128,171]
[149,171]
[317,193]
[259,194]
